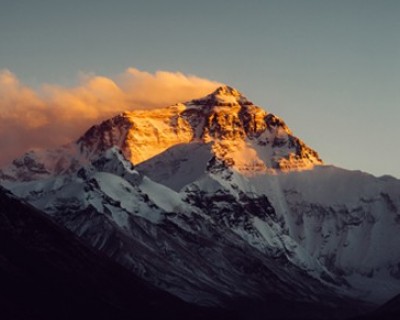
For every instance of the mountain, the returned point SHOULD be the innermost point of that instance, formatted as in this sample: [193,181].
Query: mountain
[216,202]
[236,132]
[48,273]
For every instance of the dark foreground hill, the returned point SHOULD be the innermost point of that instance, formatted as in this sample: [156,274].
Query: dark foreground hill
[46,273]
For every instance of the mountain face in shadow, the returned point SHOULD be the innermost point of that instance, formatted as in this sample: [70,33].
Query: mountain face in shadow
[47,273]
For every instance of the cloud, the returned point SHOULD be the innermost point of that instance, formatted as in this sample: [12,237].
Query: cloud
[54,115]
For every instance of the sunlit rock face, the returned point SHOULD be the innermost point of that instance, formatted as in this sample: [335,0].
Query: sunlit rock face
[139,134]
[242,134]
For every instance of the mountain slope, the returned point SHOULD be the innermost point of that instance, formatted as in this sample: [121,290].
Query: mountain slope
[46,273]
[163,237]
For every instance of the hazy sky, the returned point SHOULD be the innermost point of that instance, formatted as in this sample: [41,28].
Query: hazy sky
[330,69]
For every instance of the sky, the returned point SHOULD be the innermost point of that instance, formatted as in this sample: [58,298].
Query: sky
[330,69]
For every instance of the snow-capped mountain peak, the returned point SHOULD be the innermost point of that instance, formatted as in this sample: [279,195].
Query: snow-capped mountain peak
[242,136]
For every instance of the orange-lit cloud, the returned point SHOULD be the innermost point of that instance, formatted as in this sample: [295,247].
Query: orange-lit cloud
[55,115]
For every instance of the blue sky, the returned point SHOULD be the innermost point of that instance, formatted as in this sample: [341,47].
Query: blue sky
[330,69]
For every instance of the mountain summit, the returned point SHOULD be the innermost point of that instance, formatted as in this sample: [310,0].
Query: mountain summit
[240,134]
[223,96]
[231,130]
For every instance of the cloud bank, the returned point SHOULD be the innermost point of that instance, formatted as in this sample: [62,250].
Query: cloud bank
[55,115]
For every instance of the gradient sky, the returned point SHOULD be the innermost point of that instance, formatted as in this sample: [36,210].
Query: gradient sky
[330,69]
